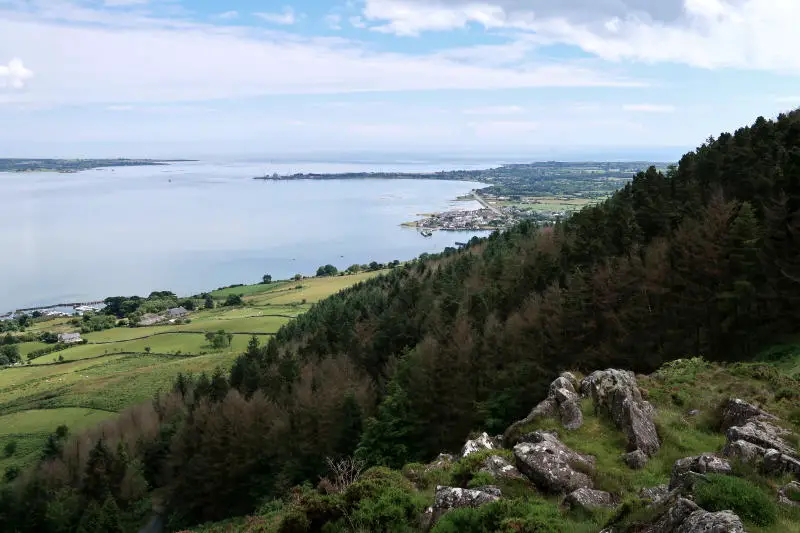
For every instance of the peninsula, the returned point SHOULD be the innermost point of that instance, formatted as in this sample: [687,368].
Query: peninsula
[76,165]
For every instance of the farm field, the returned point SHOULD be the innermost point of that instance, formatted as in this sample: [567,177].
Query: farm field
[123,366]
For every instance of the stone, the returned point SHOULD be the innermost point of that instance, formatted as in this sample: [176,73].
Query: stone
[589,499]
[617,392]
[564,394]
[500,468]
[702,521]
[737,412]
[674,516]
[654,494]
[571,414]
[693,412]
[585,388]
[551,465]
[744,451]
[636,460]
[790,494]
[701,464]
[448,498]
[776,463]
[763,434]
[569,376]
[561,383]
[483,442]
[562,403]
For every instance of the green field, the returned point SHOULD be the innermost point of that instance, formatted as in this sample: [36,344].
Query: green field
[114,370]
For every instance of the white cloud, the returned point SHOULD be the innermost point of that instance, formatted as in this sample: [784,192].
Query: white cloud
[494,110]
[411,18]
[753,34]
[14,75]
[228,15]
[334,21]
[126,63]
[286,18]
[649,108]
[120,108]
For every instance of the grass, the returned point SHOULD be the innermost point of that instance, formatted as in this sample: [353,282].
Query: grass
[310,289]
[247,290]
[97,380]
[29,430]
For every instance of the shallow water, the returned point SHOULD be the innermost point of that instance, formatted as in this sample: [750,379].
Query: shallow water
[191,227]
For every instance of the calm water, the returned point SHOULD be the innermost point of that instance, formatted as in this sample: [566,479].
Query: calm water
[76,237]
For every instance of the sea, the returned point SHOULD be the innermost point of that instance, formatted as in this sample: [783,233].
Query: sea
[190,227]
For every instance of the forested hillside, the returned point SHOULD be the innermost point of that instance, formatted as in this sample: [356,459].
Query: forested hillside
[702,260]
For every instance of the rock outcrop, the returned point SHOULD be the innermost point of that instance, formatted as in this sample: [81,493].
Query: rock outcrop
[589,499]
[498,467]
[617,392]
[483,442]
[551,465]
[448,498]
[737,412]
[682,515]
[753,438]
[790,494]
[683,469]
[654,494]
[562,403]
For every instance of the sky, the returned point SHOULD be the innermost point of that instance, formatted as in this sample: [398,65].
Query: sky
[522,79]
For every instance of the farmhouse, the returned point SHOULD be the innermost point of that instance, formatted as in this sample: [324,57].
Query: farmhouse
[69,338]
[177,312]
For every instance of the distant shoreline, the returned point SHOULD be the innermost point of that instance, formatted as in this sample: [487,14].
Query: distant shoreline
[71,166]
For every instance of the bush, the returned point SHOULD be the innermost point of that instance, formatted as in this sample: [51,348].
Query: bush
[748,501]
[465,469]
[481,479]
[505,516]
[10,448]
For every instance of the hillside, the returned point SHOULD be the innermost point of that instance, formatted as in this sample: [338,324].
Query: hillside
[689,397]
[703,260]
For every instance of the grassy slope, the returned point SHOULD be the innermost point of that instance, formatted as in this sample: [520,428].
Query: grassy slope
[675,390]
[94,381]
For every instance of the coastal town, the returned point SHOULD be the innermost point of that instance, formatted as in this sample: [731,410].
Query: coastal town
[497,212]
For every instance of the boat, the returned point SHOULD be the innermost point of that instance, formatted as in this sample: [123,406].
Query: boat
[426,232]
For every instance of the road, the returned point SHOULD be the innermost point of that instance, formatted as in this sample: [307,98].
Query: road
[486,205]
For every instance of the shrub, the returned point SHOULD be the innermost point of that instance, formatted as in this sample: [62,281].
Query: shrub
[722,492]
[466,468]
[793,493]
[11,447]
[481,479]
[505,516]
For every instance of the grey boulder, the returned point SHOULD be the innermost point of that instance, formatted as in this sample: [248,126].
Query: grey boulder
[498,467]
[737,412]
[684,469]
[448,498]
[617,392]
[588,499]
[482,442]
[551,465]
[704,522]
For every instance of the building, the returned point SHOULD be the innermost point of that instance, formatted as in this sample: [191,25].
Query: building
[177,312]
[69,338]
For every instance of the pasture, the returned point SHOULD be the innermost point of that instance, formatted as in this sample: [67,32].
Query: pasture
[84,384]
